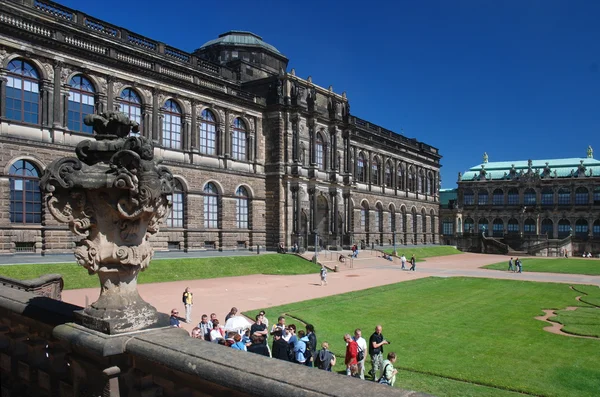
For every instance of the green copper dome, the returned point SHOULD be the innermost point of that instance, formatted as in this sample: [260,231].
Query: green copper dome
[240,38]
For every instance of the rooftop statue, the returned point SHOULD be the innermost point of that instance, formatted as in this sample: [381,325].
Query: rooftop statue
[114,196]
[485,157]
[590,152]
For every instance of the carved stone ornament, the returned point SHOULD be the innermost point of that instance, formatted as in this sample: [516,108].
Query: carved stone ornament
[114,195]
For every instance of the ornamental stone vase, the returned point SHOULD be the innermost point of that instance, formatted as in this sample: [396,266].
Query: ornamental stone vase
[113,195]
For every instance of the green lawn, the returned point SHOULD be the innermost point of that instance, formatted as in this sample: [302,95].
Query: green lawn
[551,265]
[424,252]
[463,336]
[162,270]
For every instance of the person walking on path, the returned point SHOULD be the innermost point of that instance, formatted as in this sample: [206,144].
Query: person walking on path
[510,265]
[188,302]
[323,275]
[413,263]
[403,260]
[518,268]
[376,343]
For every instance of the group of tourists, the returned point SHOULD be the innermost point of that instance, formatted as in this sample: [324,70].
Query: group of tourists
[292,344]
[518,266]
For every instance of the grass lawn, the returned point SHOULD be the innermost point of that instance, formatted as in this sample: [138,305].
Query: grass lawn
[558,265]
[463,336]
[585,320]
[162,270]
[424,252]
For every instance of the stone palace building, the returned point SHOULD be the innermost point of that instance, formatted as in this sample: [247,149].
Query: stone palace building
[260,155]
[539,207]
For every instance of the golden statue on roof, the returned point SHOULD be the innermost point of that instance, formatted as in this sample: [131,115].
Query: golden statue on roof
[590,152]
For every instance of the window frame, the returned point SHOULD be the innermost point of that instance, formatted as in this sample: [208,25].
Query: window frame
[29,185]
[211,206]
[239,138]
[172,124]
[90,94]
[242,208]
[24,76]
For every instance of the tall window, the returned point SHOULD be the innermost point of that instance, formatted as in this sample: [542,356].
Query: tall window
[447,227]
[211,206]
[564,228]
[22,92]
[581,228]
[548,228]
[513,226]
[172,125]
[175,218]
[498,197]
[131,105]
[364,218]
[25,195]
[564,196]
[400,178]
[392,219]
[81,103]
[582,196]
[482,197]
[468,197]
[498,227]
[529,226]
[430,186]
[411,180]
[319,152]
[360,168]
[423,221]
[597,195]
[513,197]
[596,228]
[421,182]
[238,140]
[468,225]
[483,224]
[208,133]
[547,197]
[388,175]
[375,171]
[380,219]
[529,197]
[241,208]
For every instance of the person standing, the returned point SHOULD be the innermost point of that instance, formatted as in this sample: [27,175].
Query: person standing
[300,348]
[265,319]
[388,374]
[325,359]
[231,313]
[174,319]
[362,347]
[510,265]
[280,347]
[413,263]
[188,302]
[376,343]
[519,268]
[351,355]
[323,275]
[403,260]
[258,328]
[311,346]
[205,327]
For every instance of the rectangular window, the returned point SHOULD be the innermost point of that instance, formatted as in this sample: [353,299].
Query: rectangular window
[581,230]
[363,219]
[174,246]
[28,246]
[564,230]
[483,199]
[210,245]
[242,213]
[468,199]
[448,228]
[596,196]
[498,199]
[564,198]
[529,199]
[596,230]
[513,198]
[581,198]
[548,198]
[241,244]
[238,145]
[529,228]
[513,228]
[498,229]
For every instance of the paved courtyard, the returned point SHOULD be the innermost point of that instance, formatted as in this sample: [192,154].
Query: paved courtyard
[218,295]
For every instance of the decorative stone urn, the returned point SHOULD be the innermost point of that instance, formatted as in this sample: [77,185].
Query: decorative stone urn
[114,195]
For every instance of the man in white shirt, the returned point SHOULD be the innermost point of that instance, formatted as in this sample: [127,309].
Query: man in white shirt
[362,345]
[403,260]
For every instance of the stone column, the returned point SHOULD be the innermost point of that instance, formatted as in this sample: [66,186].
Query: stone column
[251,144]
[312,213]
[45,90]
[57,105]
[227,136]
[65,106]
[155,116]
[185,137]
[110,82]
[146,121]
[3,81]
[313,142]
[295,139]
[355,157]
[194,133]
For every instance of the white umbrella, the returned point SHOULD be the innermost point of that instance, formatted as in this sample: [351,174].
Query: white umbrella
[237,324]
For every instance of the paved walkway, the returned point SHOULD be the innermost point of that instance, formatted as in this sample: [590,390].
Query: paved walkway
[258,291]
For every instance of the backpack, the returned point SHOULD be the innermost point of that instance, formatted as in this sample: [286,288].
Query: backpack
[383,380]
[183,298]
[323,360]
[361,354]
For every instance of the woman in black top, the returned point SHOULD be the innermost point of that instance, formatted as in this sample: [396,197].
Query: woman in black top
[258,346]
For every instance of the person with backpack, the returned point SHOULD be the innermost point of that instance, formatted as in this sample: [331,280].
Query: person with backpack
[188,302]
[325,359]
[388,375]
[361,354]
[351,355]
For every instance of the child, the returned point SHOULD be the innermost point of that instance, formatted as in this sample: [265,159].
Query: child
[323,275]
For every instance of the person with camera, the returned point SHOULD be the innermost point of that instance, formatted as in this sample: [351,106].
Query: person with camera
[376,343]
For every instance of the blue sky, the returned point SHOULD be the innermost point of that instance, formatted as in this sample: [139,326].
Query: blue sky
[515,79]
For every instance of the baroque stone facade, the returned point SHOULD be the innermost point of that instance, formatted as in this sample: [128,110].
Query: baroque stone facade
[542,207]
[260,156]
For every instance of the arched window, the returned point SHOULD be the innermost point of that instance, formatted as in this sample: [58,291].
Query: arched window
[320,152]
[596,228]
[208,133]
[529,226]
[81,103]
[582,196]
[131,105]
[238,140]
[22,92]
[529,197]
[498,227]
[392,218]
[421,182]
[171,133]
[360,168]
[564,228]
[25,195]
[241,208]
[548,227]
[430,184]
[482,197]
[564,196]
[415,222]
[513,197]
[513,226]
[364,217]
[468,225]
[581,228]
[375,180]
[388,174]
[468,197]
[411,180]
[379,218]
[404,219]
[423,221]
[596,195]
[432,221]
[482,224]
[547,197]
[400,178]
[498,197]
[175,218]
[211,206]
